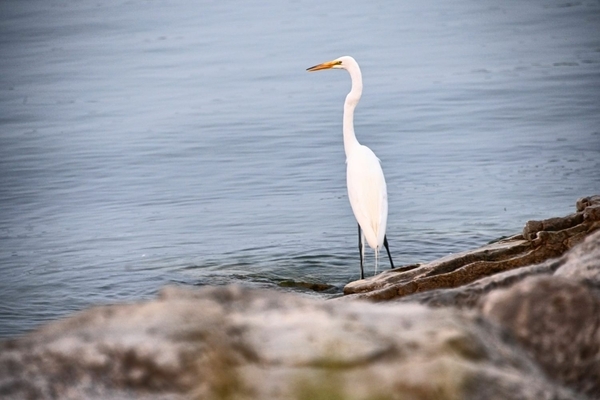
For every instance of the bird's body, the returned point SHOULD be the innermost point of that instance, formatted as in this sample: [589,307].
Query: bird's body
[367,193]
[367,189]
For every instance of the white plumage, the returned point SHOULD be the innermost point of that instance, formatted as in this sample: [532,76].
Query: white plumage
[367,190]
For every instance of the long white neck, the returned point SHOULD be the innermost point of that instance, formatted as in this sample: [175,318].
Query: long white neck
[352,99]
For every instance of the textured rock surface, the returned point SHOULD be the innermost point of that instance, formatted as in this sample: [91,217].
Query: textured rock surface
[556,317]
[558,321]
[229,342]
[477,272]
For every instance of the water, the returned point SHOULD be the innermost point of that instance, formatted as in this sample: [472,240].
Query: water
[144,143]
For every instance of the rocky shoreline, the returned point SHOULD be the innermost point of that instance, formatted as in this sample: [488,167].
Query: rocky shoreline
[478,271]
[515,319]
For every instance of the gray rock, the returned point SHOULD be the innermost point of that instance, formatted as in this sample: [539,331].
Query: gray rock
[236,343]
[558,321]
[557,317]
[583,262]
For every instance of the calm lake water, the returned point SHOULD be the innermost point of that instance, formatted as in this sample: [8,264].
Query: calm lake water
[145,143]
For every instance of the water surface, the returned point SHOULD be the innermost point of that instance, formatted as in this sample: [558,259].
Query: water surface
[144,143]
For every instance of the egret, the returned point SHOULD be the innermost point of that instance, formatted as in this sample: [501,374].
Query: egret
[367,190]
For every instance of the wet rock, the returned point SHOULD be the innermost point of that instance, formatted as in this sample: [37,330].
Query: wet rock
[314,286]
[460,279]
[235,343]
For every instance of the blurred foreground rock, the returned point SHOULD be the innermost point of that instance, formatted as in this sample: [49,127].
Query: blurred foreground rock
[500,329]
[556,316]
[236,343]
[558,321]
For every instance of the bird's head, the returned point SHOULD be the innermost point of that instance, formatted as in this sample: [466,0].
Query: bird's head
[339,63]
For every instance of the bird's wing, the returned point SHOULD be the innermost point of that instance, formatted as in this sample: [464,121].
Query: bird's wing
[368,194]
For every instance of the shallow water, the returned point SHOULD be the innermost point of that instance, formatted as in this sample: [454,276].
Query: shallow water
[144,143]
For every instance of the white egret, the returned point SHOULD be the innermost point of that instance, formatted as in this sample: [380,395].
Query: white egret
[364,177]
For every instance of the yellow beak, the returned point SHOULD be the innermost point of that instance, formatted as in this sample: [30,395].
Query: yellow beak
[325,65]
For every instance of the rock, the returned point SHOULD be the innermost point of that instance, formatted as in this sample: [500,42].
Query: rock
[314,286]
[237,343]
[580,263]
[532,228]
[551,308]
[469,295]
[462,278]
[558,321]
[556,317]
[586,202]
[583,262]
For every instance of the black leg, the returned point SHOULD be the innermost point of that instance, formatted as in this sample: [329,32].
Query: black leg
[360,252]
[385,243]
